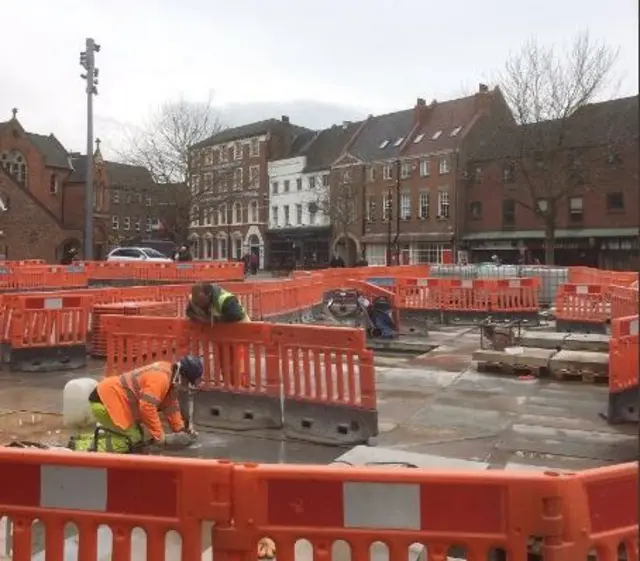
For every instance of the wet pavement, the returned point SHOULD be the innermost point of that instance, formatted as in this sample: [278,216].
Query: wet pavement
[434,404]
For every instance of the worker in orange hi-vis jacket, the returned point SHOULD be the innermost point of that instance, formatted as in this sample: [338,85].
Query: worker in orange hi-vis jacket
[124,404]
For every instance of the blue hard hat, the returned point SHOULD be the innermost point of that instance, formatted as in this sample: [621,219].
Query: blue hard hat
[192,368]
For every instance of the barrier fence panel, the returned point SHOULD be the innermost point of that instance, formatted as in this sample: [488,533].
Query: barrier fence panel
[624,301]
[624,396]
[582,308]
[328,383]
[48,333]
[320,380]
[155,494]
[607,502]
[350,511]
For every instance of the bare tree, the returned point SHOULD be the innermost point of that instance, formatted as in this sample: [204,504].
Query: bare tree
[547,88]
[340,205]
[162,145]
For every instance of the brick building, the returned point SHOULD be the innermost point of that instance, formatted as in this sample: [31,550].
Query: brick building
[583,170]
[41,205]
[229,187]
[395,185]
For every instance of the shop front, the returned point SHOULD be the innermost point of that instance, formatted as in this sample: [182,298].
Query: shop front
[299,248]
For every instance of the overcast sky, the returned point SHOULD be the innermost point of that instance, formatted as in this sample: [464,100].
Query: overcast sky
[319,62]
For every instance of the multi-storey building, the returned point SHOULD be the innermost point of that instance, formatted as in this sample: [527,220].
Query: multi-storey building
[229,187]
[300,213]
[395,185]
[584,170]
[42,196]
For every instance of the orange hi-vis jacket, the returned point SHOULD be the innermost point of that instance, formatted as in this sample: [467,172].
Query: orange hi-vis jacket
[137,396]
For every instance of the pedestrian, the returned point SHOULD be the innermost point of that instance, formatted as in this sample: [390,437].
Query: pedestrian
[254,263]
[69,256]
[129,404]
[184,254]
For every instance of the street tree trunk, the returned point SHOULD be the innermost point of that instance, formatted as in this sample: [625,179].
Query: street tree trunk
[549,242]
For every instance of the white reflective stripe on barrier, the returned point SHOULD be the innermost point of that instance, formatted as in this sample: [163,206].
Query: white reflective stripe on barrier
[394,506]
[514,283]
[581,289]
[53,303]
[73,488]
[467,283]
[633,327]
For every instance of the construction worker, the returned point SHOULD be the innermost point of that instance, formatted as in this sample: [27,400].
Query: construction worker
[124,405]
[211,304]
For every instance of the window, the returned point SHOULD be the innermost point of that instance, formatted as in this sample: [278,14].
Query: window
[222,214]
[313,213]
[127,223]
[115,222]
[386,172]
[253,212]
[370,209]
[312,182]
[418,138]
[299,184]
[115,197]
[286,215]
[436,135]
[195,183]
[136,225]
[274,215]
[208,156]
[384,144]
[423,204]
[222,248]
[346,176]
[208,180]
[456,131]
[425,252]
[386,208]
[325,180]
[237,213]
[372,173]
[443,204]
[424,168]
[274,187]
[254,177]
[509,172]
[399,141]
[405,206]
[508,212]
[237,248]
[149,224]
[444,165]
[475,210]
[542,206]
[298,214]
[405,170]
[575,209]
[53,184]
[237,150]
[615,202]
[195,216]
[148,201]
[255,147]
[237,179]
[286,185]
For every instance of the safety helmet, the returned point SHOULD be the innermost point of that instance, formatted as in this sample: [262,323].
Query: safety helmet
[191,368]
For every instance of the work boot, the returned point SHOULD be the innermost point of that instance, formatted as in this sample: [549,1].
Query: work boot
[177,440]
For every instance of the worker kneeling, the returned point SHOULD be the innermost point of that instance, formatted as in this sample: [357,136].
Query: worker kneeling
[126,405]
[212,304]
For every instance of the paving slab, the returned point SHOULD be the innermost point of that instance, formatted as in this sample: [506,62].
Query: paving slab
[516,356]
[542,339]
[566,361]
[587,342]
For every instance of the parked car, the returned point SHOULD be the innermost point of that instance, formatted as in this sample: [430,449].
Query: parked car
[137,254]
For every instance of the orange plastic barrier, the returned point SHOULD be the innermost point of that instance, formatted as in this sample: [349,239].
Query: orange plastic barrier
[624,301]
[156,494]
[324,375]
[450,299]
[623,370]
[582,307]
[587,275]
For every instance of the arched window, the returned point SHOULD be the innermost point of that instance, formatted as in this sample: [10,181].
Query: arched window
[237,213]
[222,215]
[14,163]
[195,216]
[237,179]
[253,212]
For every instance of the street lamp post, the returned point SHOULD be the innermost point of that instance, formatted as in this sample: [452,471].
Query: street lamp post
[87,61]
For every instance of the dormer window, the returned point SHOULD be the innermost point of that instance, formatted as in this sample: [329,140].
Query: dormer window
[436,135]
[418,138]
[455,131]
[399,141]
[383,144]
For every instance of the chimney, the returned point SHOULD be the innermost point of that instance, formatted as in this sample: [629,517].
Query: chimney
[420,112]
[483,98]
[483,88]
[285,119]
[345,124]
